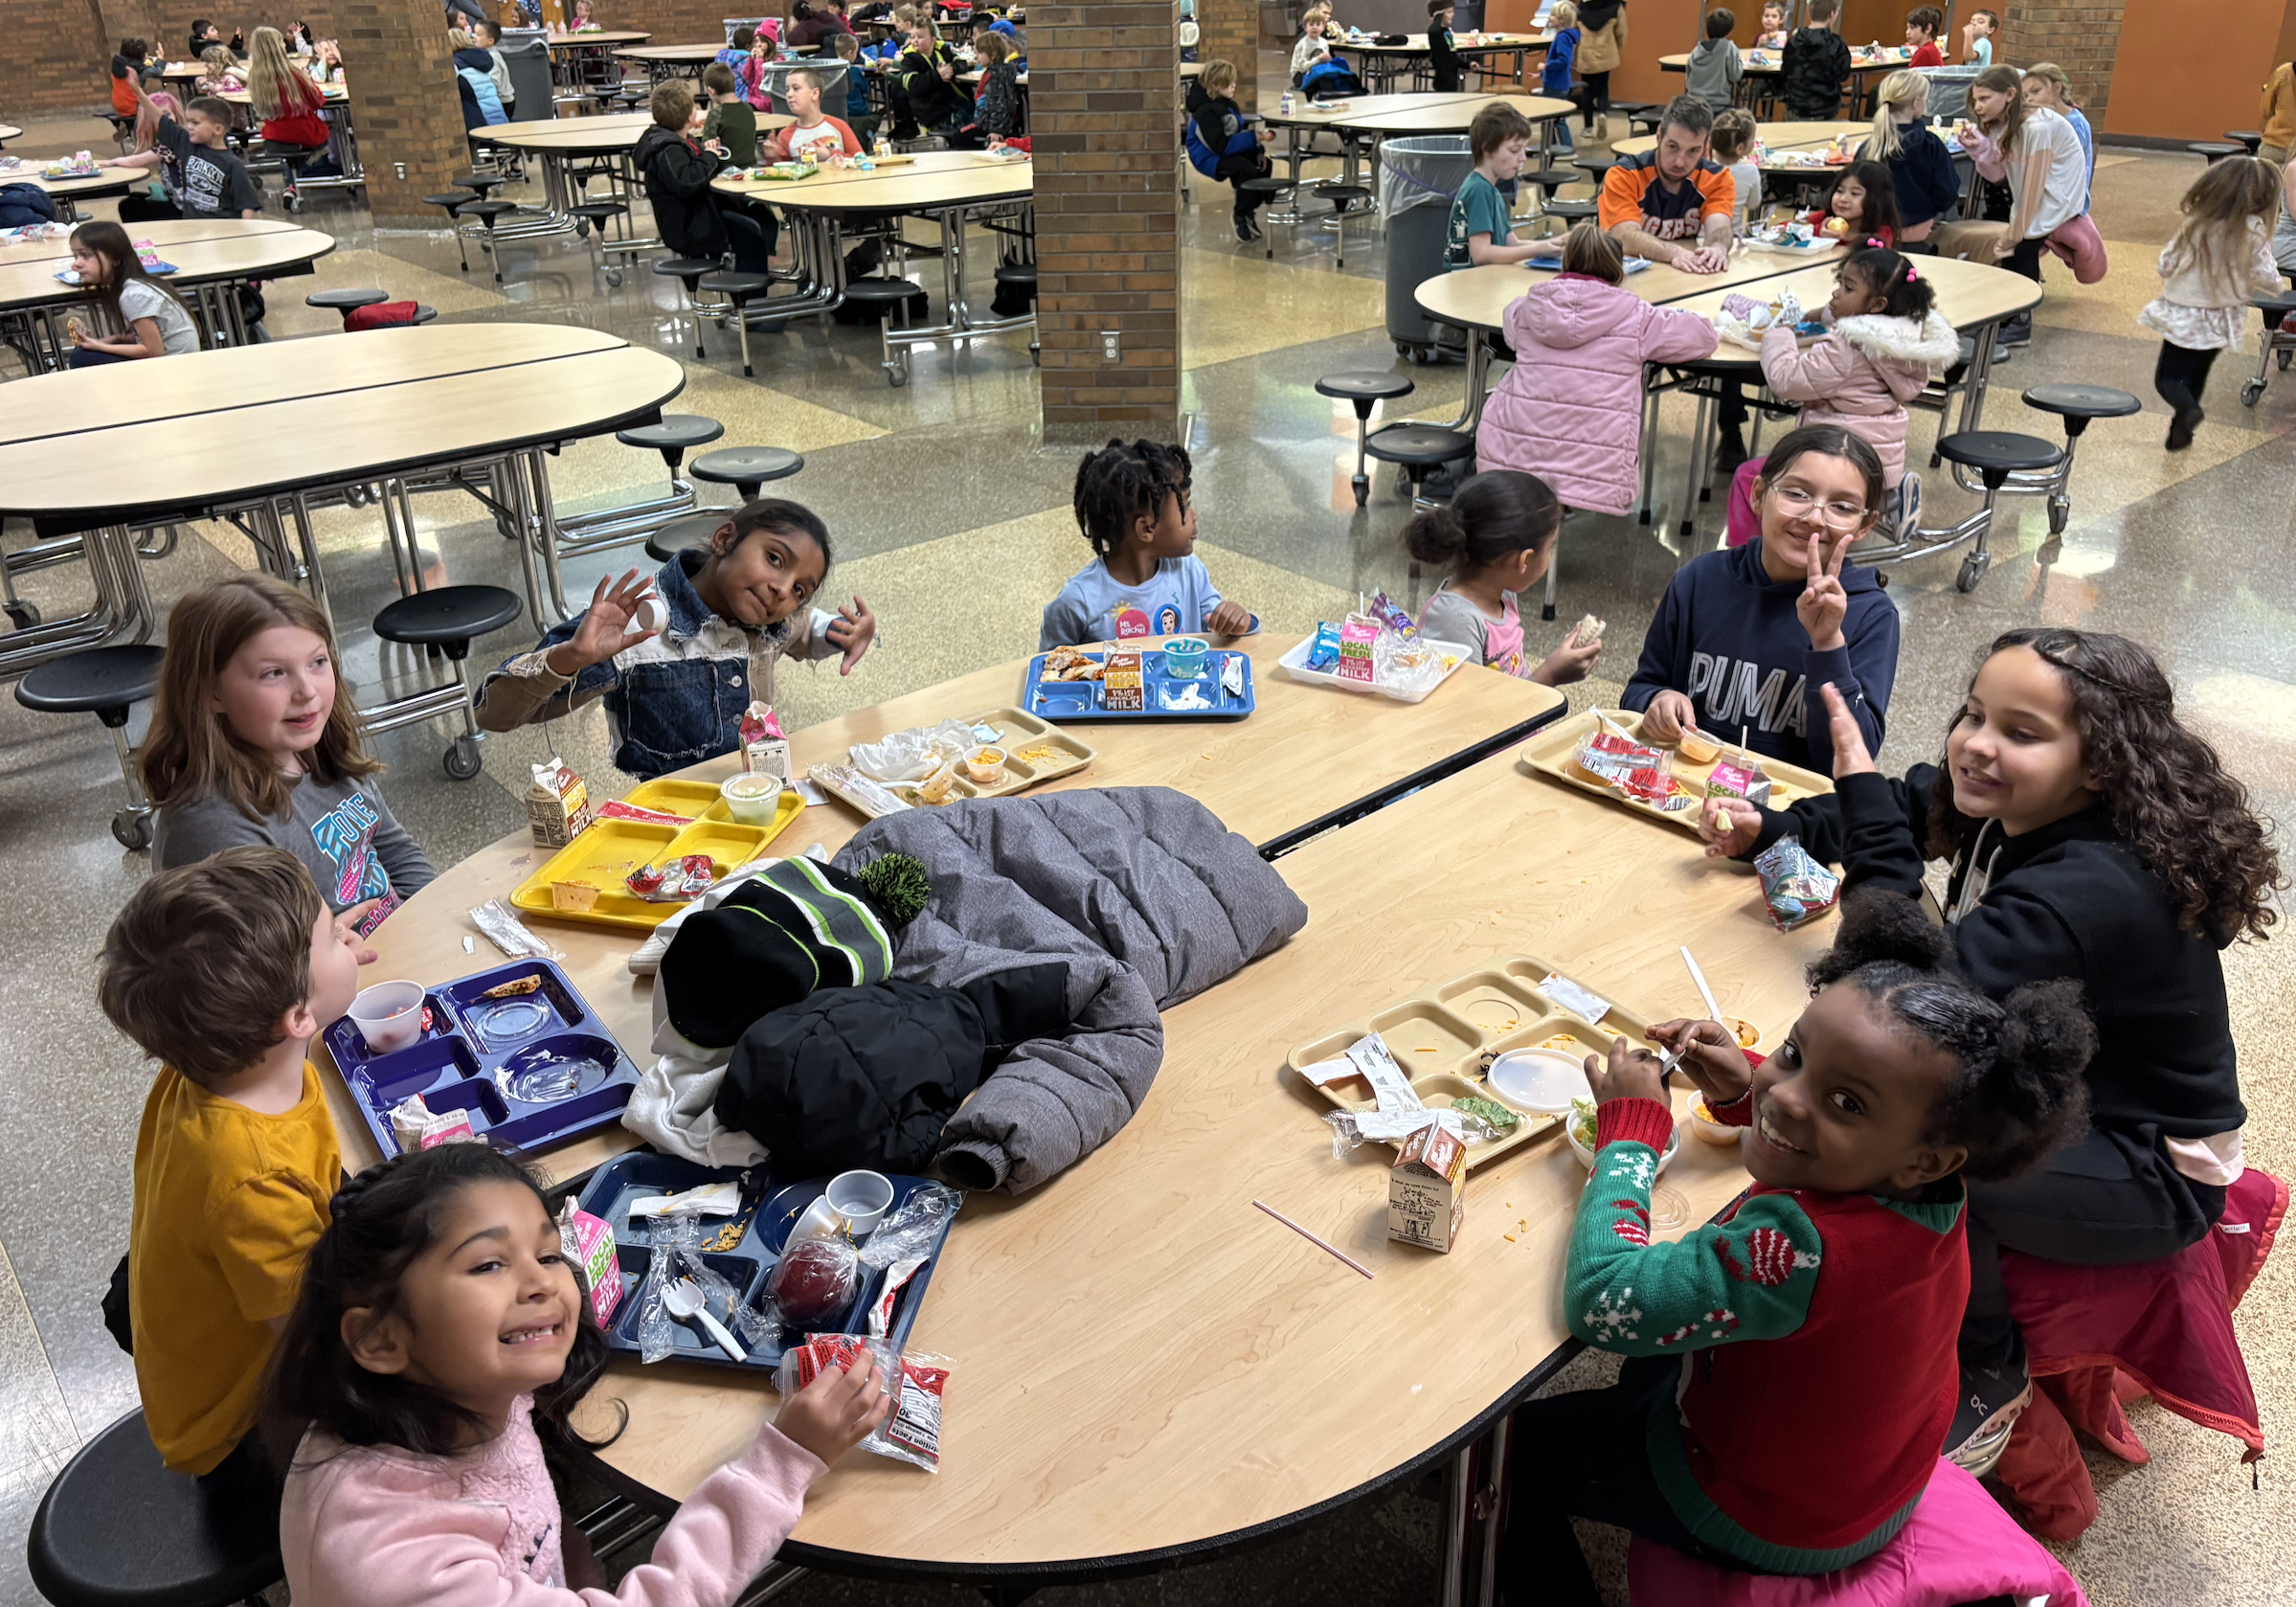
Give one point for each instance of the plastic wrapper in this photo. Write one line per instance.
(1406, 667)
(587, 1242)
(1637, 771)
(915, 753)
(911, 1432)
(1352, 1129)
(673, 881)
(1795, 888)
(842, 781)
(1324, 656)
(812, 1282)
(508, 932)
(418, 1127)
(1744, 321)
(913, 1226)
(677, 1253)
(1389, 617)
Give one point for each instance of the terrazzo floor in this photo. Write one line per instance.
(951, 519)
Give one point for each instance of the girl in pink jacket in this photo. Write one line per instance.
(1570, 409)
(439, 1339)
(1887, 339)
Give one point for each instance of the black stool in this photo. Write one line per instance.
(1995, 455)
(2076, 405)
(1271, 187)
(486, 184)
(486, 211)
(673, 437)
(738, 288)
(1417, 450)
(1364, 390)
(118, 1529)
(446, 618)
(746, 468)
(454, 201)
(2216, 151)
(2251, 138)
(1344, 199)
(890, 297)
(1023, 273)
(105, 682)
(1597, 167)
(688, 271)
(2280, 341)
(424, 312)
(595, 216)
(690, 534)
(345, 302)
(1573, 212)
(292, 159)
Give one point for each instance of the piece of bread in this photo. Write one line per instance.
(1587, 632)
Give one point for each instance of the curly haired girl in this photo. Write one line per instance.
(1132, 504)
(2092, 836)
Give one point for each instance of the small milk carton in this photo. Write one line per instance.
(1121, 688)
(588, 1242)
(557, 804)
(764, 746)
(1427, 1189)
(1356, 638)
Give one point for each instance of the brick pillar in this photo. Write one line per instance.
(1230, 30)
(2082, 38)
(402, 79)
(1104, 118)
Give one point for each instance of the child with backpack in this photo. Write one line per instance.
(1221, 147)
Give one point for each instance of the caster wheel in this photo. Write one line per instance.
(582, 229)
(1972, 570)
(1403, 349)
(2252, 393)
(1363, 489)
(614, 278)
(896, 375)
(462, 760)
(22, 614)
(133, 828)
(2061, 509)
(2284, 355)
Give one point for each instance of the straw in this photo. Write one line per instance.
(1713, 1009)
(1320, 1244)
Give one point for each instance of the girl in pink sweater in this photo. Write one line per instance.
(439, 1341)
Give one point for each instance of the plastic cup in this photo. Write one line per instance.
(860, 1198)
(1184, 657)
(388, 1015)
(753, 796)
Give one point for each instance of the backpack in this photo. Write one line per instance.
(1327, 79)
(24, 204)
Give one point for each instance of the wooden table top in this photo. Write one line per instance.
(9, 131)
(602, 37)
(1968, 293)
(613, 132)
(1443, 113)
(1769, 63)
(202, 250)
(1416, 44)
(1774, 136)
(205, 427)
(337, 94)
(104, 181)
(935, 179)
(1143, 1362)
(1479, 298)
(671, 52)
(1305, 750)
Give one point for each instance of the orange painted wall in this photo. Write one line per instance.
(1654, 27)
(2192, 70)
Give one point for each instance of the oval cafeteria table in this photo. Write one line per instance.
(101, 185)
(1774, 136)
(670, 61)
(1373, 118)
(1763, 68)
(204, 432)
(1148, 1370)
(560, 140)
(1383, 64)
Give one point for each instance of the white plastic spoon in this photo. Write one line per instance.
(685, 1299)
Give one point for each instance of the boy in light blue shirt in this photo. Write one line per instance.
(1132, 504)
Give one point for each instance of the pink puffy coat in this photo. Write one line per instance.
(1570, 410)
(1861, 375)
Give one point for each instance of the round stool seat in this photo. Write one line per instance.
(2251, 138)
(677, 431)
(747, 465)
(1364, 385)
(1999, 451)
(1269, 186)
(118, 1529)
(682, 535)
(1551, 179)
(2216, 151)
(2283, 302)
(343, 300)
(1016, 273)
(99, 678)
(598, 212)
(486, 211)
(1419, 444)
(483, 183)
(446, 615)
(452, 200)
(1598, 165)
(883, 290)
(2082, 401)
(725, 282)
(1562, 208)
(685, 267)
(1344, 193)
(424, 312)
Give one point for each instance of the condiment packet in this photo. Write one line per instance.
(587, 1242)
(1231, 675)
(1795, 888)
(710, 1199)
(1577, 999)
(616, 809)
(881, 1309)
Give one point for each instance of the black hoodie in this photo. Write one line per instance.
(2067, 900)
(1816, 67)
(677, 175)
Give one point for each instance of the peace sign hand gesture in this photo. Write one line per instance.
(1824, 605)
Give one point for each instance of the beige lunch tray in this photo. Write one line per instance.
(1549, 754)
(1019, 731)
(1442, 1040)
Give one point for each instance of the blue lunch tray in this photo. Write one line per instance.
(473, 1050)
(1081, 700)
(627, 1179)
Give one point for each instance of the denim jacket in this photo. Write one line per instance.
(674, 699)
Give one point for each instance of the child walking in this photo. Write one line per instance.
(2091, 835)
(1791, 1368)
(1132, 504)
(1497, 536)
(1570, 409)
(1444, 60)
(675, 696)
(1222, 146)
(1602, 46)
(1562, 56)
(2219, 260)
(1815, 66)
(1886, 340)
(113, 279)
(441, 1341)
(1715, 67)
(256, 739)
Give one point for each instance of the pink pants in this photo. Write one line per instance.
(1745, 523)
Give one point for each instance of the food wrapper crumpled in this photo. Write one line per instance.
(1638, 772)
(1795, 888)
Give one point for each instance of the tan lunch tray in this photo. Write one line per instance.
(1444, 1039)
(1019, 731)
(1549, 754)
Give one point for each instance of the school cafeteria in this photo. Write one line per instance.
(1392, 802)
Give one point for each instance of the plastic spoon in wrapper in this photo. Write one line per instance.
(684, 1302)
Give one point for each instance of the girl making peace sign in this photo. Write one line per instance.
(1745, 637)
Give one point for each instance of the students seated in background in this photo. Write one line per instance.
(746, 60)
(1715, 66)
(282, 98)
(471, 66)
(113, 277)
(489, 35)
(223, 972)
(1673, 204)
(814, 21)
(1732, 147)
(815, 132)
(1977, 38)
(1480, 230)
(997, 101)
(127, 72)
(677, 170)
(222, 75)
(204, 178)
(205, 34)
(927, 73)
(1817, 66)
(1773, 26)
(730, 127)
(1921, 24)
(1312, 44)
(1921, 169)
(859, 116)
(1221, 145)
(1145, 579)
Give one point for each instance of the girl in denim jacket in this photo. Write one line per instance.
(677, 659)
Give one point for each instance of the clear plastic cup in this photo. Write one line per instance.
(388, 1015)
(751, 797)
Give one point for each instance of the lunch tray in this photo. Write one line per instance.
(1081, 700)
(610, 850)
(627, 1179)
(470, 1045)
(1295, 663)
(1446, 1038)
(1549, 754)
(1014, 731)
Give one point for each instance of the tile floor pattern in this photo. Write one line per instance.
(951, 519)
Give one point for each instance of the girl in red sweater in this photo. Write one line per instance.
(1814, 1320)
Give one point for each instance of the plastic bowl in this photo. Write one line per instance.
(1542, 1080)
(388, 1015)
(1714, 1132)
(861, 1197)
(1673, 1144)
(1184, 657)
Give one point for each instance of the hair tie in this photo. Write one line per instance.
(1910, 275)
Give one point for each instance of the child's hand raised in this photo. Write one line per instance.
(1229, 618)
(852, 631)
(1824, 605)
(838, 1409)
(1710, 1055)
(1729, 826)
(605, 627)
(1630, 1073)
(1851, 756)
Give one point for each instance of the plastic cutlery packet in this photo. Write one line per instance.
(677, 1254)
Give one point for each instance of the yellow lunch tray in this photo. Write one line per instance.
(1549, 754)
(612, 848)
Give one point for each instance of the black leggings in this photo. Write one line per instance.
(1593, 96)
(1244, 165)
(2026, 259)
(2181, 374)
(2110, 1200)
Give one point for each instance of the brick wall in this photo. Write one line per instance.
(1104, 119)
(2082, 38)
(1230, 31)
(402, 79)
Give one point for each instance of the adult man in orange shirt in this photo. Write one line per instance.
(1674, 204)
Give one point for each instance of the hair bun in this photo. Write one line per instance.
(1438, 536)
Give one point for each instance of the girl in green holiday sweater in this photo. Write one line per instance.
(1814, 1320)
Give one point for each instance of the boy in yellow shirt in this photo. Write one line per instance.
(224, 971)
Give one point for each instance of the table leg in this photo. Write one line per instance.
(1459, 1486)
(1491, 1503)
(123, 607)
(1980, 375)
(532, 488)
(1698, 442)
(1479, 371)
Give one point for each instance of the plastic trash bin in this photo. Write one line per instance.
(1417, 179)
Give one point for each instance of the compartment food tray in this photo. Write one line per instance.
(1549, 754)
(773, 1209)
(1445, 1039)
(1015, 731)
(1081, 700)
(1295, 663)
(610, 850)
(472, 1052)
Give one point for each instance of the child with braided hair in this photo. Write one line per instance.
(1132, 504)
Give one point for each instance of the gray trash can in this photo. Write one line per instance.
(1417, 179)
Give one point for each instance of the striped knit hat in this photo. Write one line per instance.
(797, 926)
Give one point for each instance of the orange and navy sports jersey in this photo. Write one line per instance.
(1632, 192)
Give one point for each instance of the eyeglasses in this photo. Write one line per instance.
(1801, 505)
